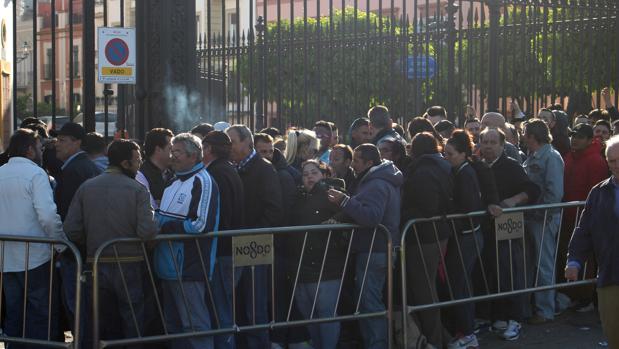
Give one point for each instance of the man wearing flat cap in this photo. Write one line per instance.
(216, 147)
(76, 169)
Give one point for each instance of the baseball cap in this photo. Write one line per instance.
(584, 130)
(72, 129)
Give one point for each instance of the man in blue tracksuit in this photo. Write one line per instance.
(190, 205)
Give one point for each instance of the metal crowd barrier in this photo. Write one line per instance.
(32, 247)
(510, 256)
(252, 250)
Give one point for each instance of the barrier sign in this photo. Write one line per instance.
(252, 250)
(509, 226)
(116, 47)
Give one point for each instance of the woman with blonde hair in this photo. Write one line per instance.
(301, 145)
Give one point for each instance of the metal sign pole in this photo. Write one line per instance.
(106, 94)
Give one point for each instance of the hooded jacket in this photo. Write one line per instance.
(428, 192)
(375, 202)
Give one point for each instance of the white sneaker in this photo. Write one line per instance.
(587, 308)
(466, 342)
(481, 325)
(499, 325)
(513, 331)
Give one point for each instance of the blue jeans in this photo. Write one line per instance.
(373, 331)
(257, 310)
(37, 297)
(326, 335)
(68, 270)
(544, 252)
(222, 286)
(183, 318)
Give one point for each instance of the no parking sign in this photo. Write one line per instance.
(116, 55)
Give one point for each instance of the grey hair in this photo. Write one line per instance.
(612, 142)
(244, 133)
(191, 143)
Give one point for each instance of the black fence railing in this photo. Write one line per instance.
(285, 63)
(292, 67)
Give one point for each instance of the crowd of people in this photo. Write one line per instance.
(72, 187)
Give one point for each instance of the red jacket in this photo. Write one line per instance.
(583, 170)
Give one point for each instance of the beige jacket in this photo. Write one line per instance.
(110, 206)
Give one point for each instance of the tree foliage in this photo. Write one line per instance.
(334, 68)
(337, 66)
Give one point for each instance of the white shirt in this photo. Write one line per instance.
(27, 208)
(141, 178)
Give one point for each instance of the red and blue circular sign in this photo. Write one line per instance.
(116, 51)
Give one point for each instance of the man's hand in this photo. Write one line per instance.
(495, 210)
(571, 273)
(606, 96)
(508, 203)
(335, 196)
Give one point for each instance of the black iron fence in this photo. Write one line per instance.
(295, 63)
(289, 62)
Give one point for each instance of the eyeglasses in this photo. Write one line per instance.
(176, 153)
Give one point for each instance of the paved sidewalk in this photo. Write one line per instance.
(571, 330)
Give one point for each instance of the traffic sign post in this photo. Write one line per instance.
(117, 55)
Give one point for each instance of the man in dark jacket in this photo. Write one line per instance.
(381, 125)
(340, 160)
(286, 175)
(216, 148)
(264, 146)
(514, 188)
(77, 168)
(373, 203)
(263, 208)
(427, 192)
(154, 172)
(597, 233)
